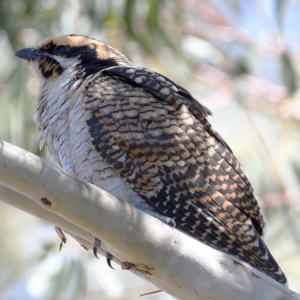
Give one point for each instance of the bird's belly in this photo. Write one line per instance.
(79, 157)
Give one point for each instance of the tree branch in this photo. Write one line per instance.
(179, 265)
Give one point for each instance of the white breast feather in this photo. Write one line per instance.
(68, 141)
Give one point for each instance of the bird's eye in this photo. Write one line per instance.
(60, 49)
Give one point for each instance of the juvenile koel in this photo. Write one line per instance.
(145, 139)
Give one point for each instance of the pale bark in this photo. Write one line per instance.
(179, 265)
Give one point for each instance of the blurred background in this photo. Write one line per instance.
(240, 58)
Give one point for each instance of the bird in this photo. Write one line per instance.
(146, 140)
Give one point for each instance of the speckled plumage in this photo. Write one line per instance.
(145, 139)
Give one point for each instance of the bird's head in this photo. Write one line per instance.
(55, 55)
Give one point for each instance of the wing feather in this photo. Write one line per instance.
(157, 138)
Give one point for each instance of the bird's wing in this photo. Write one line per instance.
(155, 135)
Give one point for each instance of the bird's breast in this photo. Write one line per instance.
(64, 131)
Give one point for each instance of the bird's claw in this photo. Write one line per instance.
(97, 244)
(109, 258)
(171, 222)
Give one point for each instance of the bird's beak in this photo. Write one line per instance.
(30, 54)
